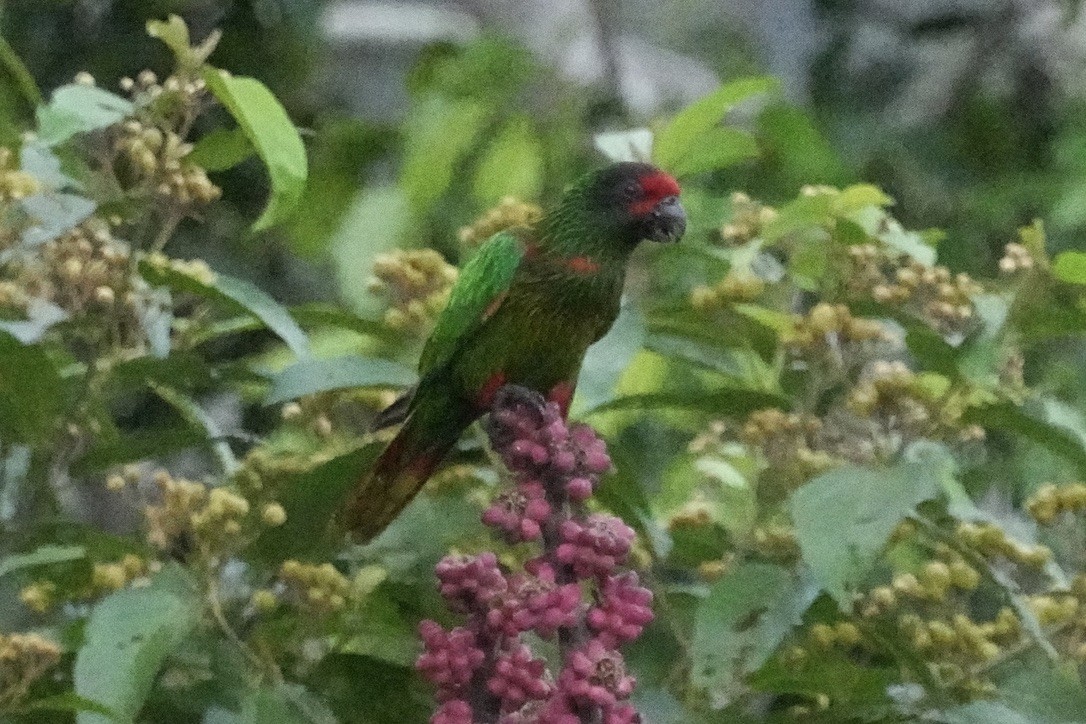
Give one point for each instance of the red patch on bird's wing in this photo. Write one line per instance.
(562, 395)
(582, 265)
(485, 397)
(655, 186)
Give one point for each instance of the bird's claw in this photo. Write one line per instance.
(518, 396)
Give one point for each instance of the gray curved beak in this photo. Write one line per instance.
(668, 221)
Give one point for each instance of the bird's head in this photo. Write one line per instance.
(640, 200)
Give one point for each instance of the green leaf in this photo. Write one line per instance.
(70, 701)
(841, 542)
(736, 402)
(809, 262)
(78, 109)
(128, 636)
(32, 392)
(1070, 266)
(383, 633)
(796, 150)
(738, 627)
(440, 133)
(608, 358)
(243, 294)
(677, 140)
(390, 694)
(889, 231)
(221, 149)
(271, 705)
(805, 212)
(834, 673)
(173, 32)
(193, 414)
(717, 148)
(20, 75)
(53, 214)
(860, 196)
(316, 314)
(269, 128)
(512, 164)
(985, 712)
(632, 145)
(311, 500)
(1034, 423)
(43, 556)
(379, 219)
(735, 503)
(421, 534)
(311, 376)
(41, 315)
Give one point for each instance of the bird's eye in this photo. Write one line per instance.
(630, 192)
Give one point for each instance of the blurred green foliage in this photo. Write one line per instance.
(853, 469)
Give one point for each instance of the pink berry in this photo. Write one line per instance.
(594, 547)
(449, 659)
(595, 675)
(624, 609)
(518, 678)
(454, 711)
(469, 582)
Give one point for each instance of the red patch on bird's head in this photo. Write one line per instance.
(655, 187)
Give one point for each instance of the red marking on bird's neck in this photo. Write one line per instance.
(562, 395)
(485, 398)
(656, 187)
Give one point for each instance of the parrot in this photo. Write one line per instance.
(524, 311)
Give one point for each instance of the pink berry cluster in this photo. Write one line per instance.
(573, 590)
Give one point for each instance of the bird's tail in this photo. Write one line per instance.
(402, 469)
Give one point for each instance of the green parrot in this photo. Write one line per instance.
(524, 311)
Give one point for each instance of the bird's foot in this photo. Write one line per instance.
(518, 397)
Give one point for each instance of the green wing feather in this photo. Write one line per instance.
(477, 295)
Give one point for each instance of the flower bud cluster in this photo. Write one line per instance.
(15, 184)
(317, 589)
(775, 541)
(1050, 501)
(691, 515)
(827, 325)
(147, 87)
(86, 272)
(842, 634)
(24, 658)
(214, 519)
(75, 584)
(196, 269)
(790, 443)
(932, 293)
(109, 577)
(912, 405)
(731, 289)
(149, 148)
(991, 541)
(156, 158)
(510, 213)
(749, 217)
(1016, 258)
(416, 283)
(485, 670)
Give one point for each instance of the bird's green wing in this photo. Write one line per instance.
(480, 290)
